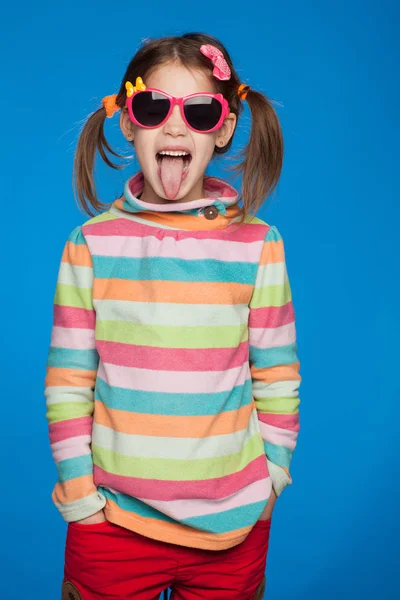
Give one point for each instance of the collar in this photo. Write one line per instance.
(195, 214)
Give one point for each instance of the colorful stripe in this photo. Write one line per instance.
(167, 491)
(258, 491)
(200, 426)
(173, 403)
(190, 248)
(183, 359)
(155, 447)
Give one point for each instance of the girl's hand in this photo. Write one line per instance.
(98, 517)
(267, 512)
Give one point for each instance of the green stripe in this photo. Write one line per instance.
(64, 411)
(70, 295)
(178, 469)
(271, 295)
(277, 406)
(105, 216)
(254, 220)
(169, 336)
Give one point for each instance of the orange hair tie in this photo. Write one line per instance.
(110, 104)
(243, 90)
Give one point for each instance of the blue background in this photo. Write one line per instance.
(333, 66)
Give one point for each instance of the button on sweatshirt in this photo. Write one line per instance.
(172, 375)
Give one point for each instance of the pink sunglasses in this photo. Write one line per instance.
(202, 112)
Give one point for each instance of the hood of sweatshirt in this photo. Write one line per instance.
(215, 211)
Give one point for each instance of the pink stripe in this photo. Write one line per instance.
(273, 316)
(79, 339)
(212, 489)
(148, 357)
(67, 316)
(71, 448)
(189, 249)
(218, 188)
(184, 509)
(176, 382)
(69, 429)
(290, 422)
(272, 338)
(125, 227)
(279, 437)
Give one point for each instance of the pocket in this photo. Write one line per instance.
(87, 549)
(88, 558)
(90, 526)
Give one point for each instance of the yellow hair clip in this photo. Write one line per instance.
(131, 89)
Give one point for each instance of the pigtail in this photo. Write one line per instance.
(261, 160)
(92, 138)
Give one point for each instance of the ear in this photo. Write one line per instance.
(225, 133)
(126, 125)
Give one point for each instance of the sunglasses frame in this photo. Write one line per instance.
(180, 102)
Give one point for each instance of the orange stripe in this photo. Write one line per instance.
(272, 252)
(70, 377)
(171, 426)
(74, 489)
(77, 255)
(172, 291)
(188, 222)
(278, 373)
(173, 533)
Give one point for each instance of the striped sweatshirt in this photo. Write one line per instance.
(172, 375)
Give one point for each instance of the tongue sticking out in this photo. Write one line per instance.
(171, 175)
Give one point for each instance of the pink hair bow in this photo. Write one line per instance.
(221, 68)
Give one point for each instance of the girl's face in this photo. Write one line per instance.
(168, 179)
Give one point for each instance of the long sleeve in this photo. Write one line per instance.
(70, 380)
(273, 360)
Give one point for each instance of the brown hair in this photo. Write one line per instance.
(260, 162)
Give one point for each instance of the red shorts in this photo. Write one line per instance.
(108, 561)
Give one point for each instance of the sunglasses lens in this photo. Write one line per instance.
(202, 112)
(150, 108)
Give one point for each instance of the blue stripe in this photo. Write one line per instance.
(75, 467)
(131, 504)
(163, 403)
(221, 522)
(76, 236)
(65, 358)
(228, 520)
(174, 269)
(280, 455)
(273, 234)
(262, 358)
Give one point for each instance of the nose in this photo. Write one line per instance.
(175, 125)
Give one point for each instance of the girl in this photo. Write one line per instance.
(172, 377)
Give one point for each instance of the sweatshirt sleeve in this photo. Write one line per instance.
(273, 360)
(70, 380)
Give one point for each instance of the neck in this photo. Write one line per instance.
(149, 195)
